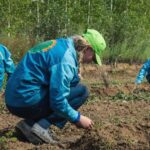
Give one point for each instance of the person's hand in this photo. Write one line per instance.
(85, 123)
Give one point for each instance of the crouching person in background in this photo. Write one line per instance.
(144, 72)
(45, 88)
(6, 66)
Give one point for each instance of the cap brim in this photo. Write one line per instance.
(98, 60)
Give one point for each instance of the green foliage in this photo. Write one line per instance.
(3, 143)
(140, 95)
(124, 24)
(5, 137)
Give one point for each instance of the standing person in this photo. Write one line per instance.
(144, 72)
(6, 65)
(45, 88)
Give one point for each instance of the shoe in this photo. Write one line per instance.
(45, 134)
(25, 129)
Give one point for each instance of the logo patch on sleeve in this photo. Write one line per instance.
(43, 47)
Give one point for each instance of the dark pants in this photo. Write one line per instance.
(41, 110)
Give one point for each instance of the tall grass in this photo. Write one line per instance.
(18, 45)
(135, 51)
(129, 51)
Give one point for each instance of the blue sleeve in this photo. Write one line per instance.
(1, 71)
(61, 76)
(8, 63)
(142, 73)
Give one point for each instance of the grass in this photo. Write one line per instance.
(18, 46)
(121, 96)
(7, 136)
(2, 107)
(147, 116)
(116, 120)
(3, 143)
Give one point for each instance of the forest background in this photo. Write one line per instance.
(123, 23)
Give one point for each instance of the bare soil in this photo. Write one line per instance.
(120, 112)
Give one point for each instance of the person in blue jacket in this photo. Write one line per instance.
(45, 88)
(144, 72)
(6, 64)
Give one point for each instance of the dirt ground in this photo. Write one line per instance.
(121, 115)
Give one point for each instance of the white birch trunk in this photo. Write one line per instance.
(89, 9)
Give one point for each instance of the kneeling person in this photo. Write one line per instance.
(45, 88)
(144, 72)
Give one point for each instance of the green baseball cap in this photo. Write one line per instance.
(97, 42)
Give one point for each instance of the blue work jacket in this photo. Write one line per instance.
(144, 71)
(6, 64)
(50, 68)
